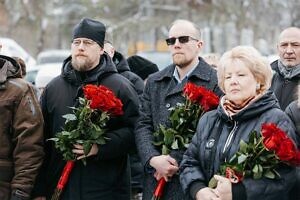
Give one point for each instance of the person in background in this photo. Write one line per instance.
(163, 91)
(287, 68)
(123, 69)
(245, 77)
(212, 59)
(21, 133)
(22, 64)
(122, 66)
(141, 66)
(106, 175)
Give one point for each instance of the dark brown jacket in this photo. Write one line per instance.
(21, 133)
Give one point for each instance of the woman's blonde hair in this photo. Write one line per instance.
(253, 60)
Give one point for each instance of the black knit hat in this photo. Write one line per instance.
(91, 29)
(141, 66)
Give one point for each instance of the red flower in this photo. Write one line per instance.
(272, 136)
(102, 98)
(261, 155)
(89, 120)
(200, 95)
(287, 150)
(183, 122)
(209, 101)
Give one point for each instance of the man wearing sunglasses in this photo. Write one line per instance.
(163, 91)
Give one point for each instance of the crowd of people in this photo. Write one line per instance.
(129, 165)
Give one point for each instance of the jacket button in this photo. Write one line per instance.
(168, 105)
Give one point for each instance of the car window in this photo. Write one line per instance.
(51, 59)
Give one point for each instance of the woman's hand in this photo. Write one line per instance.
(224, 188)
(206, 194)
(78, 150)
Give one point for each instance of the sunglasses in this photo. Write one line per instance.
(181, 39)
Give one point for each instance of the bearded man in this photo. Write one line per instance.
(163, 90)
(106, 174)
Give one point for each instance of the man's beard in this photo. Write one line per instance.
(81, 64)
(181, 61)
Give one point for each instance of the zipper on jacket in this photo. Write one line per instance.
(229, 138)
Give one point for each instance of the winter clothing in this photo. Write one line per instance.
(199, 165)
(141, 66)
(21, 133)
(91, 29)
(135, 164)
(160, 94)
(284, 86)
(293, 111)
(124, 70)
(106, 176)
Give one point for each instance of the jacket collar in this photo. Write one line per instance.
(75, 77)
(256, 108)
(120, 62)
(202, 71)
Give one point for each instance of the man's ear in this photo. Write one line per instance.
(200, 44)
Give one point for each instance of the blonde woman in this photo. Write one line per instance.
(245, 78)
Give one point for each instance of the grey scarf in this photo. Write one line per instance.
(289, 72)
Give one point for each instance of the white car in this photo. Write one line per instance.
(12, 49)
(161, 59)
(49, 64)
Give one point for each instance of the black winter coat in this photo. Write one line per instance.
(106, 176)
(284, 89)
(160, 94)
(123, 68)
(199, 165)
(293, 111)
(138, 83)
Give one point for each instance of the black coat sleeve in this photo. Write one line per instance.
(120, 130)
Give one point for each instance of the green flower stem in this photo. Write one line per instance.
(261, 151)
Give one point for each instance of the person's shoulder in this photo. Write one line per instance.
(167, 72)
(19, 84)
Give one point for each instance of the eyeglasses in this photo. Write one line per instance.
(181, 39)
(86, 43)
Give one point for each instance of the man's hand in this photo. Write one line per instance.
(165, 166)
(78, 150)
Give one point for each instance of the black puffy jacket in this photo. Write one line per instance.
(106, 175)
(199, 165)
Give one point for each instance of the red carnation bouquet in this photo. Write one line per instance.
(86, 125)
(260, 156)
(183, 122)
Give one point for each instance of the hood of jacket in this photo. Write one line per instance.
(105, 67)
(120, 62)
(264, 103)
(9, 68)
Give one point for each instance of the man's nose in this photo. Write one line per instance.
(289, 49)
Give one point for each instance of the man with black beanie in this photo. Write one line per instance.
(106, 175)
